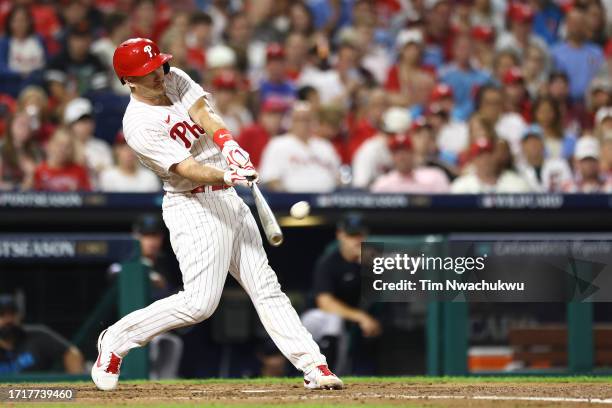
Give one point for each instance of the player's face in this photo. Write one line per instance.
(150, 84)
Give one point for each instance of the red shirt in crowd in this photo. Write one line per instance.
(362, 131)
(254, 139)
(68, 178)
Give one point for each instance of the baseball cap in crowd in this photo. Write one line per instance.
(430, 4)
(225, 80)
(441, 91)
(483, 33)
(513, 76)
(482, 145)
(603, 114)
(400, 142)
(405, 37)
(600, 84)
(532, 130)
(352, 224)
(77, 109)
(587, 147)
(274, 104)
(274, 51)
(8, 304)
(396, 120)
(148, 224)
(220, 56)
(520, 12)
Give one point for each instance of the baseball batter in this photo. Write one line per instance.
(175, 132)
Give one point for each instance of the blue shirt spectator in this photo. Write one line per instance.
(547, 21)
(464, 81)
(577, 58)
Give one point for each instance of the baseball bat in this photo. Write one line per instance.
(268, 220)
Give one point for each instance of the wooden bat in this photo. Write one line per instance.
(268, 220)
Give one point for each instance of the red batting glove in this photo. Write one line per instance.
(235, 155)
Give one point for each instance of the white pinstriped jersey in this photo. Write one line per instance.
(165, 135)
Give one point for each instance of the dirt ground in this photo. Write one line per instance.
(477, 394)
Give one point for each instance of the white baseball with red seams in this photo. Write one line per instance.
(212, 233)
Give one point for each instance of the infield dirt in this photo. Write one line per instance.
(363, 394)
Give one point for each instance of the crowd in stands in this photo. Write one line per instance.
(394, 96)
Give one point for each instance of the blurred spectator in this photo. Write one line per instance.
(177, 28)
(407, 81)
(603, 123)
(300, 161)
(337, 292)
(406, 176)
(596, 22)
(374, 56)
(452, 134)
(177, 47)
(516, 97)
(486, 176)
(255, 137)
(599, 96)
(541, 173)
(535, 69)
(60, 172)
(484, 50)
(147, 21)
(461, 75)
(547, 115)
(117, 28)
(438, 32)
(199, 38)
(296, 47)
(330, 121)
(19, 154)
(369, 119)
(373, 158)
(588, 177)
(571, 113)
(300, 18)
(547, 20)
(21, 50)
(227, 104)
(91, 151)
(503, 61)
(34, 102)
(520, 35)
(276, 84)
(576, 57)
(127, 175)
(311, 95)
(425, 149)
(33, 348)
(76, 71)
(219, 58)
(606, 68)
(488, 13)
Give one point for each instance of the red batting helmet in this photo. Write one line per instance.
(138, 57)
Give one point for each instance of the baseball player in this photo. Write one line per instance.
(176, 133)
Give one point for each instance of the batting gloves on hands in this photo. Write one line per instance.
(235, 155)
(238, 176)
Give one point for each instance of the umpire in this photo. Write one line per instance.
(337, 310)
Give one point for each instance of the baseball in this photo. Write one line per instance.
(300, 210)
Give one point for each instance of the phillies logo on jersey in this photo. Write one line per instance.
(179, 131)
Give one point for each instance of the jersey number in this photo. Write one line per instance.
(179, 131)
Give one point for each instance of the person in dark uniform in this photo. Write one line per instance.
(337, 304)
(33, 348)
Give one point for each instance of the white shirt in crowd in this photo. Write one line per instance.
(554, 174)
(508, 182)
(311, 166)
(511, 127)
(453, 137)
(143, 181)
(98, 154)
(371, 160)
(26, 55)
(162, 136)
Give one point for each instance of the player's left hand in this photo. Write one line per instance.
(238, 176)
(236, 156)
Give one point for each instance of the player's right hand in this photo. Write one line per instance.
(238, 176)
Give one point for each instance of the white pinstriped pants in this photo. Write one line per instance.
(212, 233)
